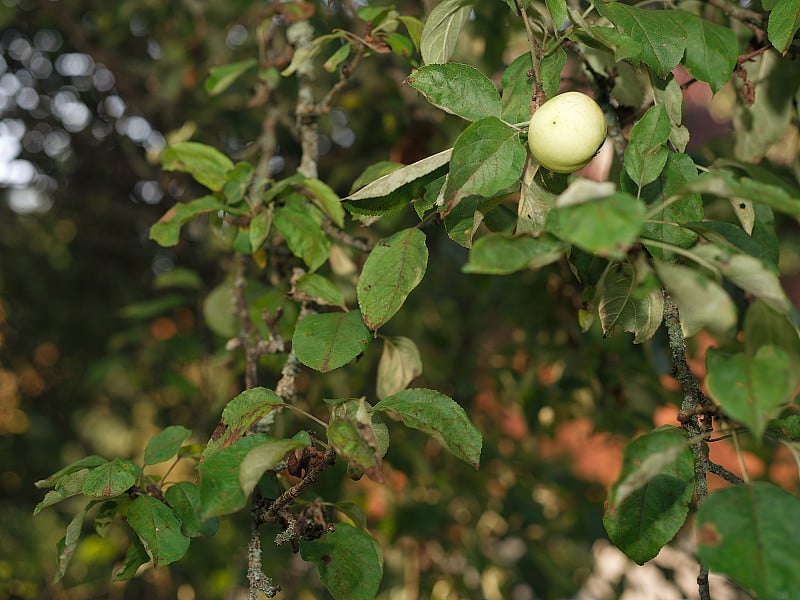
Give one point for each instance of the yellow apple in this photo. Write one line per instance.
(566, 132)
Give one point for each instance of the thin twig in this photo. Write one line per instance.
(247, 333)
(347, 71)
(537, 96)
(737, 12)
(344, 237)
(721, 471)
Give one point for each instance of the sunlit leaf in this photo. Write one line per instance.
(400, 363)
(440, 417)
(394, 267)
(301, 225)
(651, 514)
(166, 232)
(205, 163)
(159, 529)
(265, 456)
(111, 478)
(784, 21)
(239, 415)
(741, 532)
(323, 291)
(502, 253)
(331, 340)
(221, 78)
(442, 29)
(348, 562)
(166, 444)
(457, 88)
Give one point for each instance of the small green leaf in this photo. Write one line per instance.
(734, 237)
(414, 27)
(764, 326)
(392, 270)
(111, 479)
(741, 532)
(458, 89)
(260, 227)
(159, 529)
(348, 562)
(166, 232)
(166, 444)
(784, 21)
(558, 12)
(651, 514)
(355, 436)
(184, 498)
(488, 157)
(206, 164)
(237, 182)
(331, 340)
(319, 289)
(703, 303)
(221, 78)
(517, 90)
(66, 546)
(550, 70)
(646, 155)
(67, 486)
(662, 37)
(751, 389)
(608, 226)
(337, 58)
(220, 488)
(394, 191)
(87, 462)
(711, 50)
(264, 457)
(325, 198)
(399, 365)
(502, 253)
(750, 274)
(621, 304)
(106, 515)
(439, 416)
(442, 30)
(301, 225)
(239, 415)
(135, 557)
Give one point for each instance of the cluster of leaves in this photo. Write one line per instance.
(666, 232)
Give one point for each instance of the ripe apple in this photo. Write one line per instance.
(566, 132)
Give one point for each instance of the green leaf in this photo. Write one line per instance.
(206, 164)
(111, 478)
(220, 488)
(621, 303)
(184, 498)
(152, 308)
(159, 529)
(66, 546)
(673, 214)
(399, 365)
(764, 326)
(711, 50)
(221, 78)
(488, 157)
(414, 27)
(105, 516)
(651, 514)
(325, 198)
(348, 562)
(726, 185)
(337, 58)
(741, 531)
(623, 46)
(239, 415)
(608, 226)
(517, 90)
(502, 253)
(301, 225)
(750, 389)
(646, 155)
(458, 89)
(178, 278)
(392, 270)
(260, 226)
(734, 237)
(322, 291)
(442, 29)
(67, 486)
(558, 12)
(439, 416)
(784, 21)
(394, 191)
(702, 302)
(166, 232)
(331, 340)
(354, 435)
(135, 557)
(748, 273)
(463, 221)
(374, 172)
(265, 456)
(166, 444)
(237, 182)
(87, 462)
(661, 36)
(550, 70)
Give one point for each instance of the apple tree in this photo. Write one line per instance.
(665, 239)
